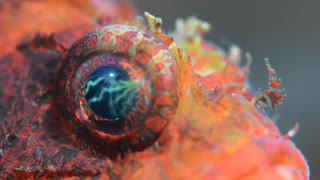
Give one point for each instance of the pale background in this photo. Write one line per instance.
(287, 32)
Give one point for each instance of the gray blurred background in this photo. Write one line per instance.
(285, 31)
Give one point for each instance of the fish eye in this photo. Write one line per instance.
(110, 92)
(117, 89)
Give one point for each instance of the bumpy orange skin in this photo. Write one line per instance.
(215, 133)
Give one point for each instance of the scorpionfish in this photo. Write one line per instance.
(89, 89)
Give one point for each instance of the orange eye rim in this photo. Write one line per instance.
(157, 84)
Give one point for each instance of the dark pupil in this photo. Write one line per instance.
(110, 93)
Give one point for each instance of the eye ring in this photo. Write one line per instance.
(151, 68)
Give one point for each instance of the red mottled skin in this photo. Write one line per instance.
(214, 133)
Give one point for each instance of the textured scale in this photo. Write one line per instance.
(187, 110)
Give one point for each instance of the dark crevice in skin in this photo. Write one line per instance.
(4, 62)
(28, 48)
(68, 154)
(35, 126)
(96, 177)
(112, 174)
(111, 127)
(12, 140)
(13, 3)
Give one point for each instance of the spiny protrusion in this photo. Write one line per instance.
(272, 96)
(211, 94)
(274, 91)
(154, 23)
(292, 132)
(235, 54)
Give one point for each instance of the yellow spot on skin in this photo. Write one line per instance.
(205, 60)
(132, 51)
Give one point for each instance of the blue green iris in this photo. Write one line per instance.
(110, 93)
